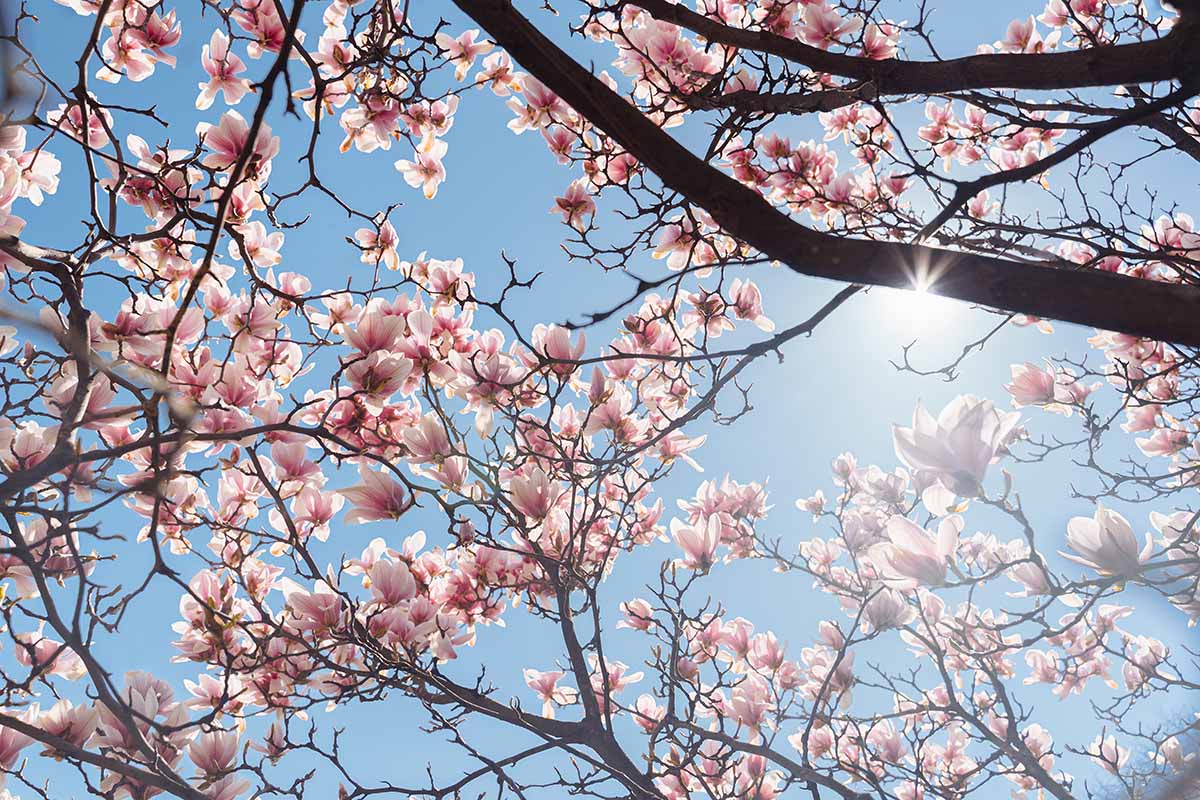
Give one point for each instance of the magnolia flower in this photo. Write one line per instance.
(915, 558)
(887, 742)
(391, 582)
(614, 678)
(11, 745)
(426, 172)
(214, 753)
(378, 376)
(535, 494)
(230, 137)
(745, 300)
(1032, 386)
(824, 26)
(1107, 753)
(699, 542)
(1022, 37)
(377, 497)
(959, 445)
(575, 206)
(462, 51)
(379, 245)
(497, 74)
(648, 713)
(75, 724)
(428, 439)
(1171, 753)
(639, 615)
(318, 611)
(1106, 543)
(1032, 577)
(880, 40)
(886, 609)
(223, 68)
(547, 688)
(554, 342)
(48, 655)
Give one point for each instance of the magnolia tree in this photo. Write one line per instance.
(170, 360)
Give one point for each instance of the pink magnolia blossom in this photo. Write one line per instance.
(639, 615)
(1022, 37)
(69, 118)
(698, 542)
(377, 377)
(554, 342)
(11, 744)
(1032, 385)
(498, 75)
(1165, 441)
(125, 56)
(1105, 751)
(647, 713)
(318, 611)
(887, 609)
(614, 678)
(880, 40)
(541, 107)
(461, 51)
(1171, 753)
(47, 655)
(261, 20)
(379, 245)
(392, 582)
(230, 137)
(746, 301)
(576, 205)
(214, 753)
(223, 68)
(823, 25)
(534, 494)
(548, 690)
(913, 557)
(426, 172)
(428, 440)
(378, 497)
(73, 723)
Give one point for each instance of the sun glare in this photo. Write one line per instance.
(917, 311)
(920, 310)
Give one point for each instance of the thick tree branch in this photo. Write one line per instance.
(1170, 57)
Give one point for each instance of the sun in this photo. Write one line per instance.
(919, 310)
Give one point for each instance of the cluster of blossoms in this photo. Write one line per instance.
(28, 173)
(221, 334)
(150, 708)
(885, 569)
(137, 36)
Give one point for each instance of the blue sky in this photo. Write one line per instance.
(835, 391)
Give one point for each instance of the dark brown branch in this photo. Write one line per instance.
(1168, 58)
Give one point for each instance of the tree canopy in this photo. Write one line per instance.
(225, 348)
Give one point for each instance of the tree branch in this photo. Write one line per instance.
(1142, 62)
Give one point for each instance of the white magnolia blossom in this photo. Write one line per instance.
(1105, 542)
(959, 445)
(914, 557)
